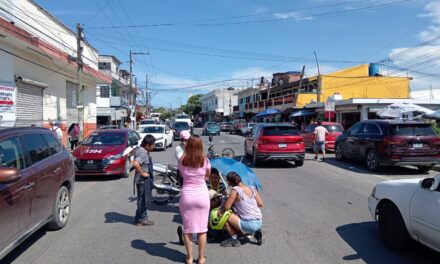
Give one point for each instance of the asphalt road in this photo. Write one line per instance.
(317, 213)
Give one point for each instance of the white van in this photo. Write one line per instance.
(183, 118)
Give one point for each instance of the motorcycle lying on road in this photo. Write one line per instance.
(167, 185)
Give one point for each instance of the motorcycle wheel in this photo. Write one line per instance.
(161, 197)
(228, 153)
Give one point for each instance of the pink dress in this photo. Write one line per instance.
(194, 198)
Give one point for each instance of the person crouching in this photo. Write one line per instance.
(247, 218)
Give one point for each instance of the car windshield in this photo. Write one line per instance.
(152, 130)
(212, 125)
(182, 116)
(148, 122)
(334, 128)
(280, 131)
(104, 139)
(181, 125)
(412, 130)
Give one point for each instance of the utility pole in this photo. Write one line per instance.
(79, 70)
(133, 99)
(318, 89)
(299, 87)
(431, 95)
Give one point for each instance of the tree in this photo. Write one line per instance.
(193, 105)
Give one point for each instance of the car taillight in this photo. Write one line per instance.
(390, 143)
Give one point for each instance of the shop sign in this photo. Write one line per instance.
(329, 106)
(8, 95)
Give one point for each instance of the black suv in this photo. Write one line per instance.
(390, 143)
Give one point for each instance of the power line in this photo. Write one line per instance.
(264, 21)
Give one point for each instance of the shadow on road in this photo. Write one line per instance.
(365, 240)
(360, 167)
(20, 249)
(115, 217)
(159, 250)
(270, 164)
(97, 178)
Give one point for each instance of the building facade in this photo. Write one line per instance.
(218, 104)
(113, 99)
(39, 75)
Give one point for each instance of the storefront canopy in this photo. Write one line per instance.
(268, 112)
(397, 110)
(303, 112)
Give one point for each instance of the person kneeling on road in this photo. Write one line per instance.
(248, 218)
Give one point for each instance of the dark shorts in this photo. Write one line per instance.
(319, 145)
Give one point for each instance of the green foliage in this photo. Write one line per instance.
(436, 128)
(193, 106)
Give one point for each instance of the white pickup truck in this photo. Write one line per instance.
(183, 118)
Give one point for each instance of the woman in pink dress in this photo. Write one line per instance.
(194, 197)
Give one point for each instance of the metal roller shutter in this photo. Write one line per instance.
(29, 105)
(71, 103)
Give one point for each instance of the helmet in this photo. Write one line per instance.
(184, 134)
(215, 221)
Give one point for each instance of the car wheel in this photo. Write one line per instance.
(371, 161)
(339, 152)
(61, 210)
(126, 169)
(171, 144)
(255, 159)
(425, 168)
(392, 227)
(299, 163)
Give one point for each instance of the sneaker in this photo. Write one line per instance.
(145, 223)
(259, 237)
(180, 235)
(230, 243)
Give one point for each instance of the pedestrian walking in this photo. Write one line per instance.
(57, 130)
(143, 180)
(73, 133)
(319, 140)
(194, 198)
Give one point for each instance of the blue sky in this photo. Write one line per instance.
(194, 43)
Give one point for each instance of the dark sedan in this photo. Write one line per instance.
(211, 128)
(179, 127)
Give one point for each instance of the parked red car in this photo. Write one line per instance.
(334, 129)
(275, 142)
(106, 152)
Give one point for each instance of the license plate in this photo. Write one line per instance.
(418, 145)
(282, 145)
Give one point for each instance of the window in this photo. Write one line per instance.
(54, 145)
(280, 131)
(116, 91)
(412, 130)
(334, 128)
(357, 128)
(37, 148)
(11, 153)
(104, 66)
(105, 139)
(104, 91)
(372, 129)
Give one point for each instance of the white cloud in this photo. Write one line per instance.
(292, 16)
(260, 10)
(425, 58)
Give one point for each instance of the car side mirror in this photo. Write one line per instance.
(8, 175)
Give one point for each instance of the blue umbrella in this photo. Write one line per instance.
(268, 112)
(226, 165)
